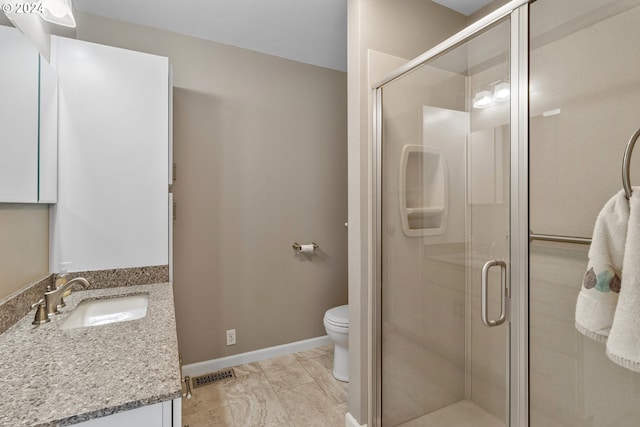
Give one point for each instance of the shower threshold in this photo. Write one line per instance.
(464, 413)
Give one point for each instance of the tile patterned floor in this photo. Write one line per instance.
(296, 390)
(460, 414)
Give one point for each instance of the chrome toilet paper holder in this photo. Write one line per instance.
(298, 247)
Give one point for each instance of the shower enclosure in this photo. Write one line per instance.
(507, 134)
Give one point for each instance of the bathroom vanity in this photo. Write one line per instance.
(123, 374)
(106, 174)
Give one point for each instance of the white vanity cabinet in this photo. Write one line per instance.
(28, 122)
(165, 414)
(112, 209)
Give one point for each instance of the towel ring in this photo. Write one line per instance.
(626, 164)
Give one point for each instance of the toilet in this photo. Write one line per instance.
(336, 322)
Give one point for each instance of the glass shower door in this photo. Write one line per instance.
(444, 238)
(585, 92)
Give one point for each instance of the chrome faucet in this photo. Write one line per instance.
(52, 298)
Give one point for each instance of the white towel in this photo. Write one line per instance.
(601, 284)
(623, 346)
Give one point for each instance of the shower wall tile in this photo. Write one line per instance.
(591, 76)
(556, 359)
(572, 383)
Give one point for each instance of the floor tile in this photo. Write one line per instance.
(217, 417)
(205, 398)
(460, 414)
(309, 406)
(316, 352)
(248, 369)
(281, 379)
(281, 362)
(320, 370)
(254, 403)
(296, 390)
(285, 372)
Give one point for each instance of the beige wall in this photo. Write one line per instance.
(24, 245)
(260, 144)
(406, 29)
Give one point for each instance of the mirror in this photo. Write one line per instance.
(28, 122)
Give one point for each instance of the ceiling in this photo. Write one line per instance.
(309, 31)
(466, 7)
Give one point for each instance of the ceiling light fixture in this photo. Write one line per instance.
(501, 91)
(58, 12)
(483, 99)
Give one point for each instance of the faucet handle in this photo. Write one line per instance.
(41, 312)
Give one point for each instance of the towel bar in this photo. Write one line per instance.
(626, 163)
(561, 239)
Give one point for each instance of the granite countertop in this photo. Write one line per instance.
(51, 377)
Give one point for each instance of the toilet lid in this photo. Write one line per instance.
(338, 315)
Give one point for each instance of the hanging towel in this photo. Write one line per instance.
(598, 295)
(623, 346)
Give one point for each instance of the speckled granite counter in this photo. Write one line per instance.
(50, 376)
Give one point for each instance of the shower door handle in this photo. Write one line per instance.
(485, 290)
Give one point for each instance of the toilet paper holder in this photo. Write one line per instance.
(298, 247)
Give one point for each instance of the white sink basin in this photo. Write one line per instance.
(107, 310)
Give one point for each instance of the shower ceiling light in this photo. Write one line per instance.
(501, 91)
(483, 99)
(58, 12)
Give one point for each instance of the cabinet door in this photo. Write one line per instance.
(113, 155)
(48, 133)
(145, 416)
(164, 414)
(28, 122)
(177, 413)
(18, 118)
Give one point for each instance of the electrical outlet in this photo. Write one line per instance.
(231, 337)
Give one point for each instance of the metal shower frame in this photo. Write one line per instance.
(518, 269)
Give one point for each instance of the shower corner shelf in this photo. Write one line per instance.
(423, 191)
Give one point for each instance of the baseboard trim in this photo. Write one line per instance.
(213, 365)
(349, 421)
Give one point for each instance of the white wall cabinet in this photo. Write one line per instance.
(164, 414)
(113, 155)
(28, 122)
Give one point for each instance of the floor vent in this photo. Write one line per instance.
(212, 377)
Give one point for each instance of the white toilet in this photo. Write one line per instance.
(336, 322)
